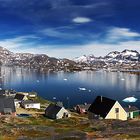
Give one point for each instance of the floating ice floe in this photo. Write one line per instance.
(54, 98)
(81, 88)
(65, 79)
(37, 81)
(130, 99)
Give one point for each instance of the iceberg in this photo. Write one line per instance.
(122, 79)
(130, 99)
(81, 88)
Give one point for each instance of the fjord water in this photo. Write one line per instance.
(64, 87)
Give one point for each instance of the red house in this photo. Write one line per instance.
(82, 109)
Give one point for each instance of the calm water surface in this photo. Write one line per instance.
(110, 84)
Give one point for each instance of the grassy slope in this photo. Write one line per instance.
(76, 126)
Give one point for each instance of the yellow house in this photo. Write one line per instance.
(106, 108)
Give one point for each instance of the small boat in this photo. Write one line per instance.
(65, 79)
(130, 99)
(122, 79)
(37, 81)
(89, 90)
(82, 88)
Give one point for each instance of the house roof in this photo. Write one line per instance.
(32, 93)
(7, 103)
(101, 106)
(2, 92)
(131, 109)
(86, 106)
(19, 96)
(30, 102)
(52, 110)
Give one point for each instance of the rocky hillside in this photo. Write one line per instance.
(37, 61)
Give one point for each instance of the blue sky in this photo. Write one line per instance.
(70, 28)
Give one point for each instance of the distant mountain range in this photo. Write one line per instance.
(127, 59)
(37, 61)
(125, 56)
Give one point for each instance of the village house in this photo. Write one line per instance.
(7, 92)
(7, 106)
(55, 111)
(132, 112)
(20, 97)
(30, 104)
(82, 109)
(105, 108)
(32, 94)
(17, 103)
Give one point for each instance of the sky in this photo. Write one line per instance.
(70, 28)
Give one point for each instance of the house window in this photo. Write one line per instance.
(116, 110)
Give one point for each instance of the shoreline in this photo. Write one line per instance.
(131, 71)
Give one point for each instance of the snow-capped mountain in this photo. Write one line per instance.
(124, 56)
(115, 56)
(85, 59)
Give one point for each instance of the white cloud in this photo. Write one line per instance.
(17, 42)
(121, 33)
(57, 32)
(81, 20)
(27, 44)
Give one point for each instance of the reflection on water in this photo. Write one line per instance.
(115, 85)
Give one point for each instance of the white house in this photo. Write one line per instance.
(106, 108)
(30, 104)
(55, 111)
(17, 103)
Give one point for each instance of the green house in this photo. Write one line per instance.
(132, 112)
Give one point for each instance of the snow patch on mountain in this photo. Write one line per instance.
(125, 56)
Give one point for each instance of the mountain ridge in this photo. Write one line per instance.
(124, 56)
(126, 59)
